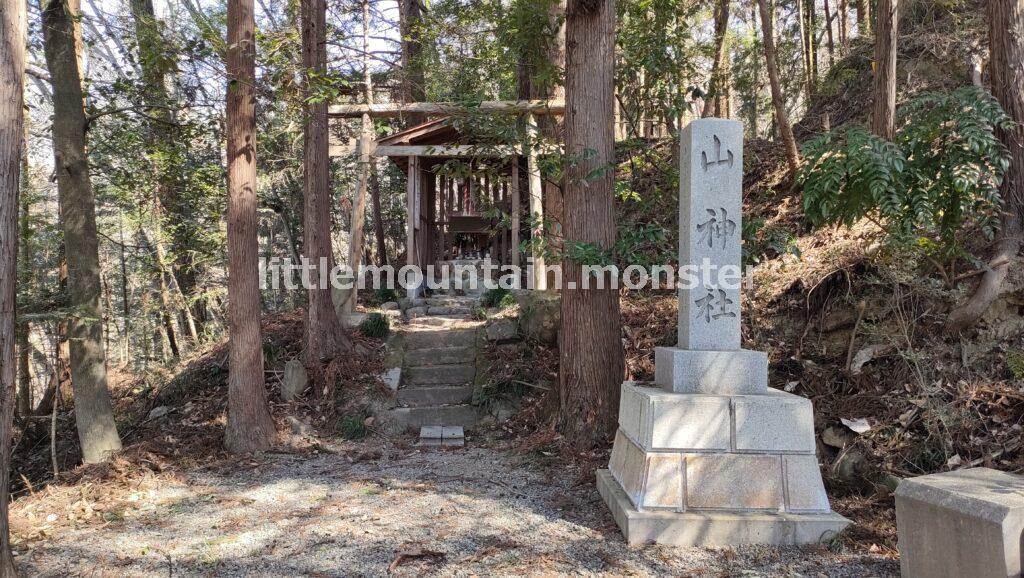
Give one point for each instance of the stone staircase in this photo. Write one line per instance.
(439, 365)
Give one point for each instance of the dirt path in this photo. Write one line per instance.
(371, 509)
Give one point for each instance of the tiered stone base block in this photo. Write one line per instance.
(702, 469)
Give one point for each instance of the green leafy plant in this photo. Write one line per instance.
(939, 177)
(384, 295)
(375, 325)
(352, 426)
(507, 301)
(493, 297)
(1015, 362)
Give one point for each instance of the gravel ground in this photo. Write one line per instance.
(374, 509)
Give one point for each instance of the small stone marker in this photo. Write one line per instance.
(958, 524)
(713, 457)
(294, 380)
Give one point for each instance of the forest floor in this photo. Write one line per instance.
(372, 508)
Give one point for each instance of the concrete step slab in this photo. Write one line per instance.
(442, 436)
(441, 337)
(438, 375)
(450, 415)
(435, 395)
(440, 356)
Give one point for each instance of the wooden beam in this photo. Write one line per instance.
(393, 109)
(411, 190)
(483, 151)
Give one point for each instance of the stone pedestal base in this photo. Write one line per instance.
(740, 468)
(714, 529)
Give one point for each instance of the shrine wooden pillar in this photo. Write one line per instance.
(516, 208)
(539, 273)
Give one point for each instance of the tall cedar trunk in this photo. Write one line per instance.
(250, 427)
(410, 14)
(590, 341)
(97, 431)
(161, 142)
(718, 88)
(863, 17)
(778, 101)
(12, 113)
(323, 328)
(883, 112)
(1006, 66)
(805, 10)
(551, 126)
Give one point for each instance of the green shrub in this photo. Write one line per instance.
(384, 295)
(493, 297)
(375, 325)
(939, 177)
(352, 426)
(507, 301)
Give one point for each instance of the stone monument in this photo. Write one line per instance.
(710, 455)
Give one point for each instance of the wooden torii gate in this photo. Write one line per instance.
(422, 206)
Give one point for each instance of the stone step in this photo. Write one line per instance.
(438, 375)
(450, 301)
(437, 395)
(440, 356)
(440, 338)
(446, 310)
(449, 415)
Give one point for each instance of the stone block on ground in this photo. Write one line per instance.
(502, 331)
(727, 372)
(390, 306)
(294, 381)
(414, 312)
(540, 315)
(392, 378)
(959, 524)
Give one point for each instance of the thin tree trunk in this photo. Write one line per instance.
(26, 279)
(161, 142)
(883, 116)
(250, 427)
(1005, 21)
(12, 135)
(591, 358)
(828, 34)
(843, 11)
(718, 89)
(94, 415)
(778, 101)
(125, 311)
(863, 18)
(358, 221)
